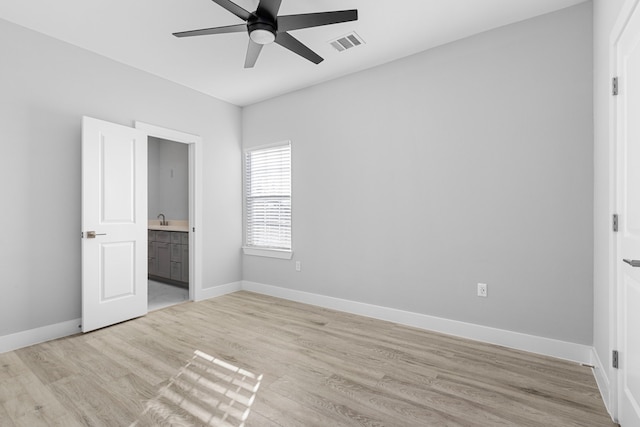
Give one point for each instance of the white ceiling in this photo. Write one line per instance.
(138, 33)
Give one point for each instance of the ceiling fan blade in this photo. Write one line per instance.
(234, 8)
(307, 20)
(295, 46)
(216, 30)
(269, 8)
(253, 51)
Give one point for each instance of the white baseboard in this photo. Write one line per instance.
(38, 335)
(546, 346)
(217, 291)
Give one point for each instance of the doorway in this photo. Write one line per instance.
(191, 268)
(168, 219)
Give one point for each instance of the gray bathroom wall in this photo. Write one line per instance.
(168, 179)
(471, 162)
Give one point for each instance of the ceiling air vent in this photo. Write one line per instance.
(347, 42)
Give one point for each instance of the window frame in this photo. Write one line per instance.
(263, 250)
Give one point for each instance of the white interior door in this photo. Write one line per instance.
(628, 134)
(114, 223)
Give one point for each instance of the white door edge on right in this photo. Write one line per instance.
(627, 131)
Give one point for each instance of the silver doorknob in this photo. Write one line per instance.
(93, 234)
(632, 262)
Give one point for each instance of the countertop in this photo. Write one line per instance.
(174, 225)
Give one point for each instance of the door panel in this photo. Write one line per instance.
(117, 173)
(632, 302)
(118, 270)
(114, 206)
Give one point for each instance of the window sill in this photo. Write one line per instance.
(269, 253)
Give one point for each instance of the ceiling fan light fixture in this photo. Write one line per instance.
(261, 36)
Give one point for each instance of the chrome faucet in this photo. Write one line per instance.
(163, 221)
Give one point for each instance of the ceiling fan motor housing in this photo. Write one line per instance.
(262, 30)
(263, 27)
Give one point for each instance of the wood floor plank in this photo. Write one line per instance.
(284, 412)
(11, 387)
(133, 359)
(68, 420)
(45, 401)
(287, 364)
(95, 404)
(5, 420)
(47, 361)
(23, 410)
(311, 395)
(11, 365)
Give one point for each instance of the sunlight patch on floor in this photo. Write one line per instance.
(206, 391)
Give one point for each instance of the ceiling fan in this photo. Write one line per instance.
(265, 26)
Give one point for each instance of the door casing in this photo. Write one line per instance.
(195, 199)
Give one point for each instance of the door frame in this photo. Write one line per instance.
(616, 162)
(194, 143)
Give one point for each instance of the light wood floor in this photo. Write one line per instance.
(286, 364)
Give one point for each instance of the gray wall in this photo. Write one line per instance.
(46, 86)
(605, 14)
(471, 162)
(168, 187)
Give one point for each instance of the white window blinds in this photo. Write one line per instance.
(268, 197)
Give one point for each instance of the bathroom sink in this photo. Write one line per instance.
(173, 225)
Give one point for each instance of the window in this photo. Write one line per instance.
(267, 201)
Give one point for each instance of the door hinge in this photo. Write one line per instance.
(614, 359)
(614, 223)
(614, 86)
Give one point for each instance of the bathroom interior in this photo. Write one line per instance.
(168, 207)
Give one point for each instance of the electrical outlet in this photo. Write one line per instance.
(482, 290)
(298, 266)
